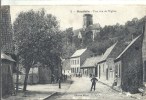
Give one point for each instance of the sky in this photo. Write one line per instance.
(72, 16)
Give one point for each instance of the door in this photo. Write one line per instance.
(145, 71)
(99, 71)
(107, 74)
(96, 71)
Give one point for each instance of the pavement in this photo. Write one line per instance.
(80, 90)
(39, 91)
(136, 96)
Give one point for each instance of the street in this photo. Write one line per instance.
(80, 89)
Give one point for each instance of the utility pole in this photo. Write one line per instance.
(0, 57)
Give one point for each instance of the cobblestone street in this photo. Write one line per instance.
(80, 89)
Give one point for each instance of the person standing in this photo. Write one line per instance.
(59, 81)
(93, 80)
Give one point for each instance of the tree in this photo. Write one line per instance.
(38, 38)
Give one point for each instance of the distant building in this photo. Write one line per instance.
(66, 69)
(33, 76)
(88, 32)
(77, 60)
(90, 66)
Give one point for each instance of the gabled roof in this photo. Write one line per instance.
(77, 31)
(131, 43)
(78, 52)
(107, 52)
(94, 26)
(66, 64)
(91, 62)
(6, 57)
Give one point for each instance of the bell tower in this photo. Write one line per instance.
(87, 20)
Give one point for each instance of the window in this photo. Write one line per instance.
(103, 67)
(78, 61)
(119, 71)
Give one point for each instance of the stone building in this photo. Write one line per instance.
(129, 66)
(6, 31)
(88, 32)
(106, 65)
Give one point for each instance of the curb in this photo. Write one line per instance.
(49, 96)
(55, 92)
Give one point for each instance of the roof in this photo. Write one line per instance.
(107, 52)
(91, 62)
(132, 42)
(76, 32)
(94, 26)
(6, 57)
(78, 52)
(66, 64)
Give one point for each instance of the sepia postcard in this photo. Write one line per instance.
(73, 52)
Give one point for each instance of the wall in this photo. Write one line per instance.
(144, 54)
(131, 61)
(7, 79)
(6, 30)
(66, 72)
(118, 70)
(75, 64)
(102, 70)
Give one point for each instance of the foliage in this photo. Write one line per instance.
(38, 38)
(132, 79)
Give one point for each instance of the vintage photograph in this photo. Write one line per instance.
(92, 52)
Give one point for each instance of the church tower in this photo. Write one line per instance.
(87, 20)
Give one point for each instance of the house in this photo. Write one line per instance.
(66, 70)
(7, 75)
(128, 66)
(77, 59)
(106, 65)
(33, 76)
(90, 66)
